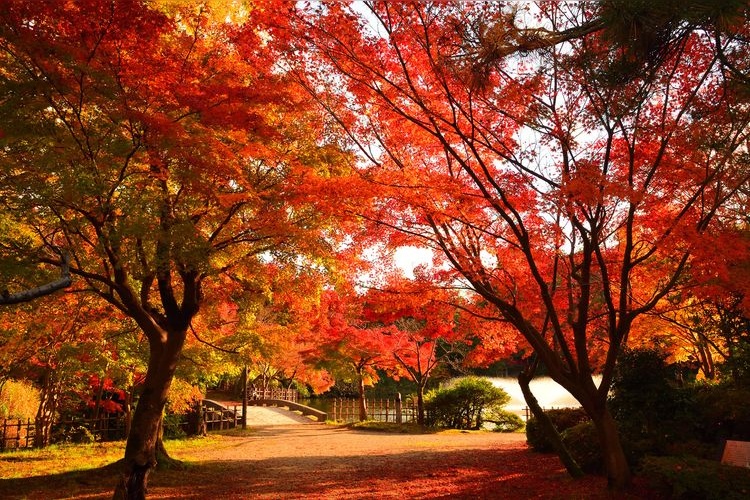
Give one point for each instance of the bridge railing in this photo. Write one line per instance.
(283, 394)
(216, 417)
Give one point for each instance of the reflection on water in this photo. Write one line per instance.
(548, 392)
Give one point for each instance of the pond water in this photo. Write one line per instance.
(549, 393)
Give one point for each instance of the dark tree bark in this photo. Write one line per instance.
(548, 428)
(144, 446)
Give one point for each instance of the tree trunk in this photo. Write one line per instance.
(143, 439)
(163, 460)
(547, 427)
(244, 400)
(98, 404)
(46, 411)
(619, 476)
(129, 409)
(420, 404)
(362, 400)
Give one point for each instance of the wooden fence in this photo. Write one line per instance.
(17, 434)
(383, 410)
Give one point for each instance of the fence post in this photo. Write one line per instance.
(18, 435)
(399, 417)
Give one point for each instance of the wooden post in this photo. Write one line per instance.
(399, 416)
(244, 398)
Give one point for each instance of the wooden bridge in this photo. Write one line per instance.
(277, 407)
(292, 406)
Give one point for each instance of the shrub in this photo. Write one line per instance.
(505, 421)
(722, 412)
(692, 478)
(651, 411)
(172, 426)
(583, 443)
(78, 434)
(461, 405)
(563, 419)
(18, 399)
(642, 397)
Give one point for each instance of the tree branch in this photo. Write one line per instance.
(40, 291)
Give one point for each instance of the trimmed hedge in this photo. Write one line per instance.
(689, 478)
(564, 418)
(462, 405)
(583, 443)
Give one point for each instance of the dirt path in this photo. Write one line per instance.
(322, 461)
(319, 461)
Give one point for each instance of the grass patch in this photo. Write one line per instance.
(58, 459)
(71, 458)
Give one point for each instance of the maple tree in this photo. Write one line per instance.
(571, 201)
(345, 337)
(274, 330)
(59, 344)
(161, 151)
(426, 328)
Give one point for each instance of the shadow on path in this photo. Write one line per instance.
(329, 462)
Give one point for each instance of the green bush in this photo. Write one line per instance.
(563, 419)
(505, 421)
(722, 412)
(642, 396)
(695, 478)
(172, 426)
(462, 405)
(582, 442)
(78, 434)
(651, 411)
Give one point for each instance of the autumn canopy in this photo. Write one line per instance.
(226, 183)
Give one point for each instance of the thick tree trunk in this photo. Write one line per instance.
(45, 414)
(548, 428)
(143, 440)
(163, 460)
(619, 476)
